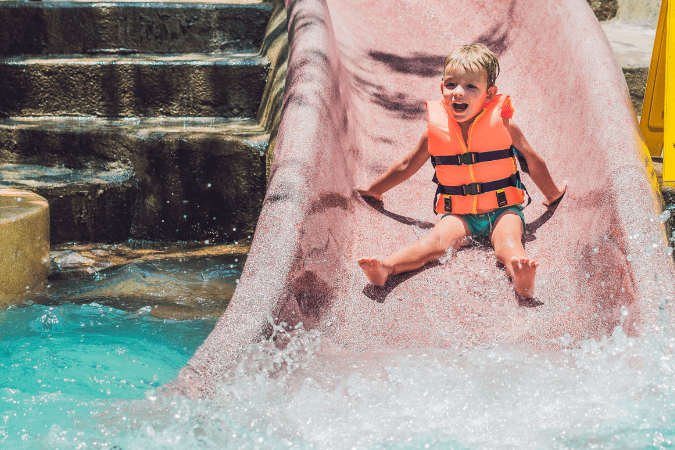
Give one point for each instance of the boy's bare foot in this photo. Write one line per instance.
(524, 271)
(562, 188)
(376, 272)
(366, 193)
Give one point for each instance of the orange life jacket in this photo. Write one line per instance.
(481, 176)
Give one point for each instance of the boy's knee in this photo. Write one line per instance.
(506, 242)
(433, 241)
(510, 224)
(434, 244)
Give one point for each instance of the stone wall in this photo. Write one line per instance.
(604, 9)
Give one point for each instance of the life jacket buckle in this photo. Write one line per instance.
(472, 188)
(501, 198)
(467, 158)
(447, 203)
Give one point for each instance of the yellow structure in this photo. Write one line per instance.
(24, 243)
(653, 110)
(658, 117)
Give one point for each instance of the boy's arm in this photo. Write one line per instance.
(538, 170)
(400, 171)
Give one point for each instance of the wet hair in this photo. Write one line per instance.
(474, 57)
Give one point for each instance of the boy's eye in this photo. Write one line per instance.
(450, 85)
(471, 86)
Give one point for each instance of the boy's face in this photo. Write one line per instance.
(466, 92)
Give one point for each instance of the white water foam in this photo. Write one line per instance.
(298, 392)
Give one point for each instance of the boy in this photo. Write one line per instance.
(470, 138)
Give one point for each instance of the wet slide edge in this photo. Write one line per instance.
(264, 285)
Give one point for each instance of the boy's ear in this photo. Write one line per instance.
(491, 92)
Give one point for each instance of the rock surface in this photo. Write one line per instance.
(177, 282)
(604, 9)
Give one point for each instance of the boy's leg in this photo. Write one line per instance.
(507, 241)
(449, 232)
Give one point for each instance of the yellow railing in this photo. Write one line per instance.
(658, 112)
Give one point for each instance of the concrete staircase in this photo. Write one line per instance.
(140, 121)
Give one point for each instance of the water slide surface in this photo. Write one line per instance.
(359, 73)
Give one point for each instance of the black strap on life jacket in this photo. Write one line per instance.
(480, 188)
(521, 160)
(469, 158)
(473, 157)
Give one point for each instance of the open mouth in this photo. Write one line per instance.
(459, 107)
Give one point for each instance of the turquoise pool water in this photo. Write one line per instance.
(60, 363)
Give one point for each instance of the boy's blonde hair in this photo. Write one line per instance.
(474, 57)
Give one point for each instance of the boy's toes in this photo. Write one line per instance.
(374, 270)
(524, 272)
(527, 263)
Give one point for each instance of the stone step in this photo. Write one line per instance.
(147, 179)
(64, 27)
(83, 202)
(192, 85)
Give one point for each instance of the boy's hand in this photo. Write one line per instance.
(553, 199)
(367, 193)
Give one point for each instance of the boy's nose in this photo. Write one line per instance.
(458, 91)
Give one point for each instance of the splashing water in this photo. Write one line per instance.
(297, 391)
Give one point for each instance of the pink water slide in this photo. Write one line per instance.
(359, 74)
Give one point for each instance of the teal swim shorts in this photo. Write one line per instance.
(481, 224)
